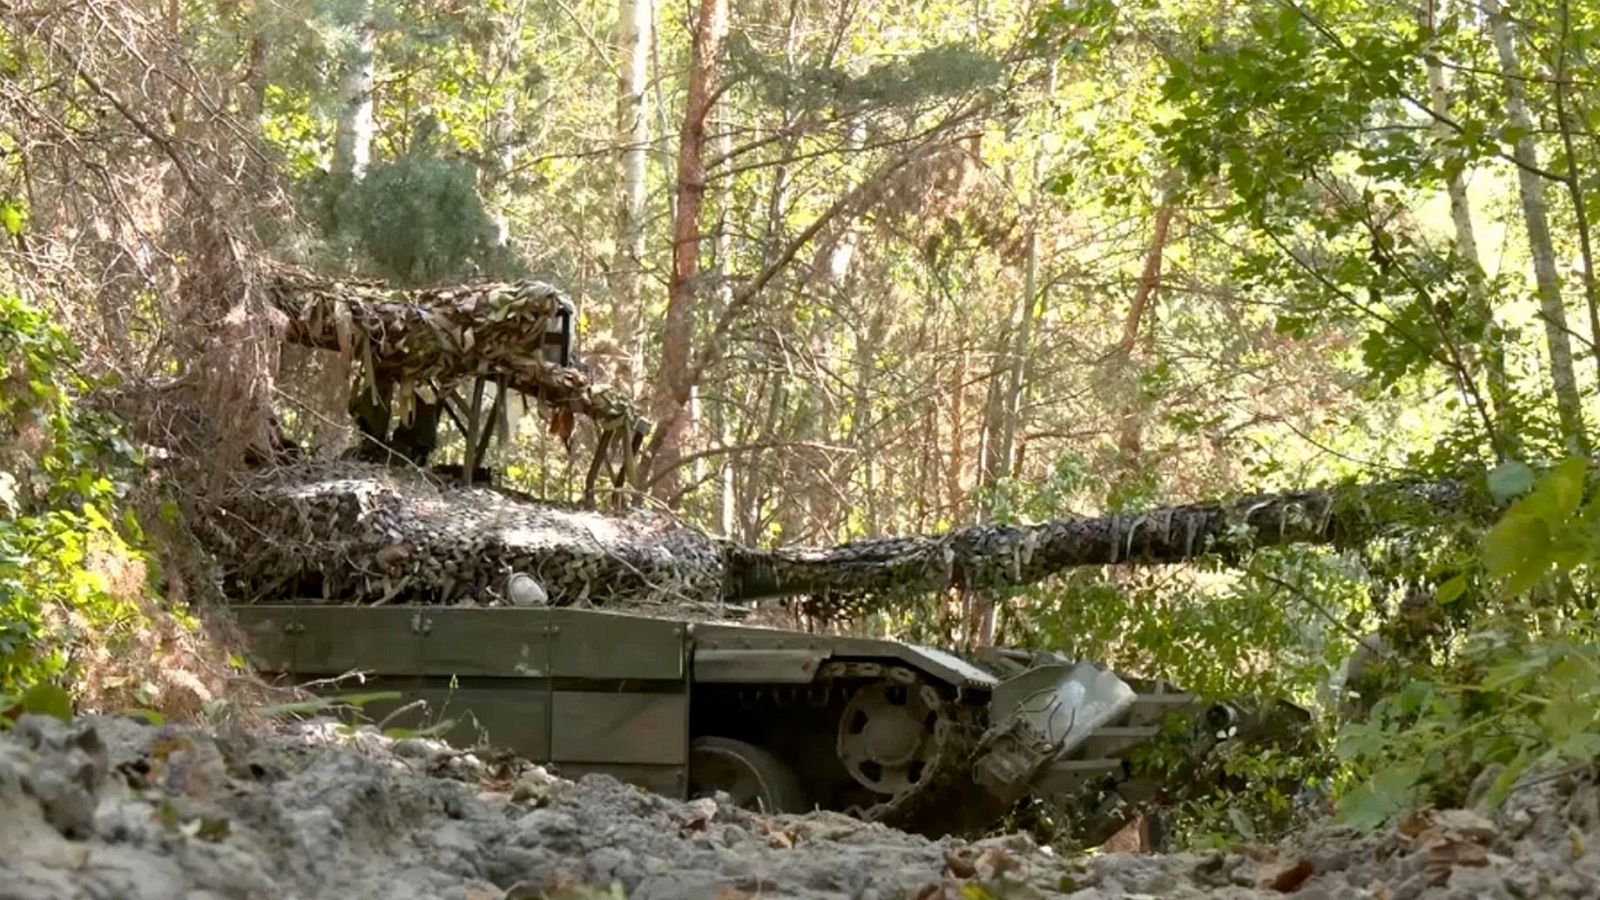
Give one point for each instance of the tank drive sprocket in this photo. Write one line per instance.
(912, 744)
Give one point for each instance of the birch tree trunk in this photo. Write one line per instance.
(674, 387)
(633, 142)
(352, 140)
(1467, 242)
(1562, 377)
(504, 60)
(1574, 179)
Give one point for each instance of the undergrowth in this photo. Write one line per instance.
(80, 601)
(1515, 695)
(1448, 663)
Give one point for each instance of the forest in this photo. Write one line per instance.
(1252, 347)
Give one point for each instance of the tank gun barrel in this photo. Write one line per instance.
(442, 543)
(995, 556)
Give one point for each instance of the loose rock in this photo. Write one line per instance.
(109, 808)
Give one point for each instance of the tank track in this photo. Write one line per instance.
(948, 800)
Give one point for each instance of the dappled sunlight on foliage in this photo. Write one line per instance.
(1517, 692)
(79, 603)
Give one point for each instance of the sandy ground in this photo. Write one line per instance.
(113, 808)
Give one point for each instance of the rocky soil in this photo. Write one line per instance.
(114, 808)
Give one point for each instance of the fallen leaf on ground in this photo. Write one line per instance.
(1445, 854)
(992, 862)
(960, 863)
(1288, 877)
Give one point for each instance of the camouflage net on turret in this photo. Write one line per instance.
(357, 533)
(443, 336)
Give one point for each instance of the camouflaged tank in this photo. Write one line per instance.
(611, 642)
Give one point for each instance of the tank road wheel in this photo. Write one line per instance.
(889, 734)
(754, 778)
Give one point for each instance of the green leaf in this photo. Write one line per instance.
(1507, 780)
(1357, 741)
(324, 704)
(148, 716)
(437, 728)
(12, 218)
(1583, 746)
(1451, 590)
(1517, 549)
(1509, 480)
(1384, 796)
(1241, 823)
(47, 700)
(1559, 492)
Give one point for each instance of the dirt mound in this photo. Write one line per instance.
(112, 808)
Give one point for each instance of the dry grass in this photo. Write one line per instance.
(174, 649)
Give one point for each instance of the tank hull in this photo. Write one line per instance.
(891, 731)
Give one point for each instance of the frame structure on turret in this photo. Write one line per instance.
(417, 355)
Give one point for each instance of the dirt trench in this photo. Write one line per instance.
(115, 809)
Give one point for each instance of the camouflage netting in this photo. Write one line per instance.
(365, 534)
(368, 534)
(372, 534)
(852, 579)
(444, 336)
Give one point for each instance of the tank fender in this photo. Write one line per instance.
(778, 649)
(774, 665)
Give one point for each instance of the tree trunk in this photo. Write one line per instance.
(1562, 378)
(1130, 437)
(1580, 213)
(504, 61)
(1022, 314)
(723, 409)
(1467, 248)
(864, 431)
(352, 141)
(674, 386)
(955, 464)
(633, 142)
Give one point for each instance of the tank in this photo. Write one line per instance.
(778, 719)
(606, 642)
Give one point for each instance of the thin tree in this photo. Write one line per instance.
(633, 143)
(675, 385)
(1465, 234)
(1563, 379)
(352, 141)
